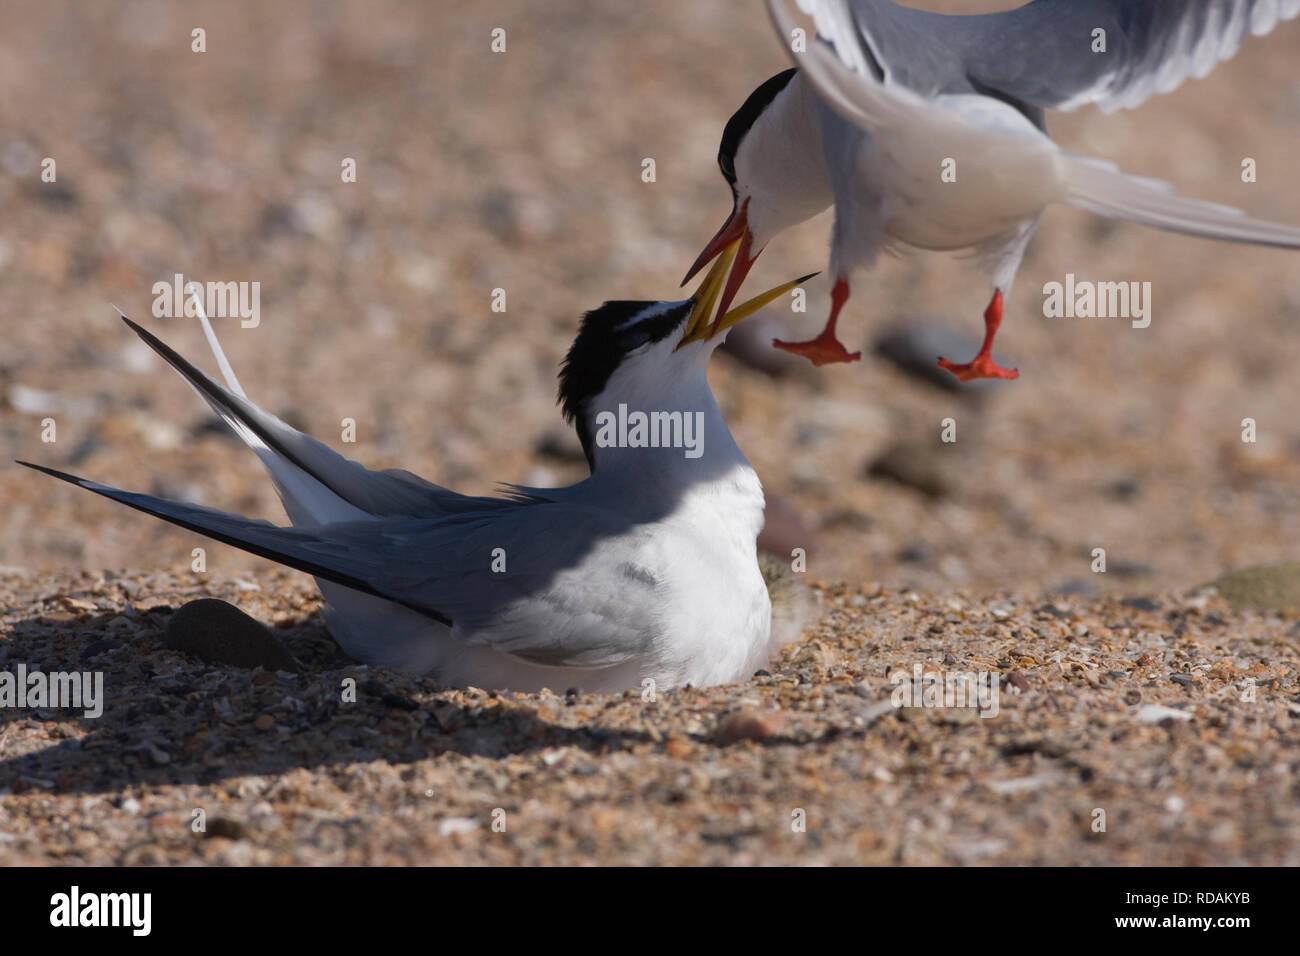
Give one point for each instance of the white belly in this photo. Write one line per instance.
(948, 186)
(711, 615)
(720, 640)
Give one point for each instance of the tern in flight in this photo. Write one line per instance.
(927, 131)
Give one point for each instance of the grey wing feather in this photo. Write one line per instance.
(330, 557)
(557, 584)
(391, 492)
(1042, 54)
(446, 569)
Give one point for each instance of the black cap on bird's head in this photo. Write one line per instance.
(736, 234)
(623, 333)
(741, 122)
(607, 336)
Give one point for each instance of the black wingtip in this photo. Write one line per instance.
(136, 328)
(61, 475)
(139, 330)
(170, 355)
(122, 315)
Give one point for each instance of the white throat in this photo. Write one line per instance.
(661, 444)
(780, 164)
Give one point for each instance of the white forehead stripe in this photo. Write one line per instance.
(659, 308)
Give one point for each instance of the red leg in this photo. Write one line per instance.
(982, 365)
(826, 348)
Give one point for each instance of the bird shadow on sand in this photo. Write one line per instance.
(172, 719)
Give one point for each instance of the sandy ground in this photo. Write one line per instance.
(522, 171)
(1119, 736)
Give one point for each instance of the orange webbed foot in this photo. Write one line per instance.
(982, 365)
(826, 349)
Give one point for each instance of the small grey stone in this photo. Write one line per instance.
(226, 828)
(215, 631)
(155, 755)
(1082, 587)
(1053, 610)
(1141, 604)
(915, 552)
(98, 647)
(927, 466)
(1124, 489)
(1268, 587)
(1130, 569)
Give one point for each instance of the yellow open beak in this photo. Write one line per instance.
(698, 326)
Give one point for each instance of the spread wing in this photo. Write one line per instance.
(1046, 54)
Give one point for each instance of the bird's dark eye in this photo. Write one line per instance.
(727, 163)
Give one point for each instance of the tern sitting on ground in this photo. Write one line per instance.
(927, 131)
(647, 569)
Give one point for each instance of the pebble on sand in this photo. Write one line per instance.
(221, 633)
(1156, 713)
(749, 724)
(927, 466)
(1265, 587)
